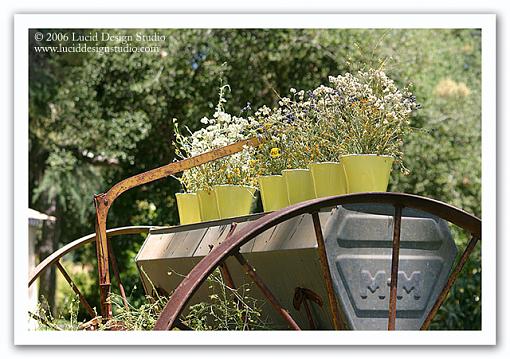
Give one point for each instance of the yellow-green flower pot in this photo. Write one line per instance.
(234, 201)
(328, 179)
(189, 208)
(299, 185)
(273, 192)
(208, 205)
(367, 173)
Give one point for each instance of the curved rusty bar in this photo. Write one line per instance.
(55, 256)
(204, 268)
(103, 202)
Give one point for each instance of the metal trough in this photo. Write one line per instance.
(358, 245)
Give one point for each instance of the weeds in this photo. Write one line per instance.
(227, 309)
(66, 321)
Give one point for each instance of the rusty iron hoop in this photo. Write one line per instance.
(230, 246)
(54, 259)
(55, 256)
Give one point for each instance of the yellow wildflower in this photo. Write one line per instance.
(275, 152)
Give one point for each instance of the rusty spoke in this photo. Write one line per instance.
(267, 293)
(333, 305)
(305, 296)
(395, 251)
(309, 315)
(181, 326)
(227, 277)
(117, 276)
(225, 273)
(83, 301)
(451, 279)
(44, 321)
(229, 282)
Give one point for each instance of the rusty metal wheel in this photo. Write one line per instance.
(54, 259)
(230, 247)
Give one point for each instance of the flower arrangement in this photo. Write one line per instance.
(221, 130)
(313, 116)
(370, 114)
(271, 157)
(285, 138)
(311, 138)
(364, 113)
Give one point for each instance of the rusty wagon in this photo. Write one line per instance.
(368, 261)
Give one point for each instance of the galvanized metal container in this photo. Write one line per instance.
(358, 245)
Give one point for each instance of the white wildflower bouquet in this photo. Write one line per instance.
(221, 130)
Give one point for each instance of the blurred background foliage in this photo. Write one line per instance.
(97, 119)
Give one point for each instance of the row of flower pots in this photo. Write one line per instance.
(223, 201)
(360, 120)
(355, 173)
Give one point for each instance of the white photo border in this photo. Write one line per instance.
(485, 22)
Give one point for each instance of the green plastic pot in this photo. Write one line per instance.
(208, 205)
(328, 179)
(189, 208)
(299, 185)
(273, 192)
(367, 173)
(233, 200)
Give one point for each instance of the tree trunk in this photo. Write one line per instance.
(46, 246)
